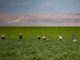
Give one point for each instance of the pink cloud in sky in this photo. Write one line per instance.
(58, 16)
(41, 16)
(41, 20)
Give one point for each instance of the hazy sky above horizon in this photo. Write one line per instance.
(40, 12)
(39, 6)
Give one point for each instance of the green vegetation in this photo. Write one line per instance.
(30, 48)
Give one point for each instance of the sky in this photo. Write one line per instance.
(39, 12)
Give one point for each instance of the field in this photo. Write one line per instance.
(30, 48)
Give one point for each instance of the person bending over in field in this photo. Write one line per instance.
(59, 37)
(20, 36)
(74, 38)
(44, 38)
(38, 37)
(3, 37)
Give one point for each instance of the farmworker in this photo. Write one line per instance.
(3, 37)
(20, 36)
(44, 38)
(60, 37)
(74, 38)
(38, 37)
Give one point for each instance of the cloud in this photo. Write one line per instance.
(14, 21)
(41, 20)
(58, 16)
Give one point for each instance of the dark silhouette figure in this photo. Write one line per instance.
(20, 36)
(38, 37)
(74, 38)
(3, 37)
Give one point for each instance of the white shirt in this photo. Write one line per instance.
(60, 37)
